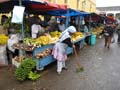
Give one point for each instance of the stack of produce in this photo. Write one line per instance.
(26, 70)
(42, 40)
(77, 35)
(3, 39)
(55, 34)
(44, 53)
(30, 44)
(19, 59)
(97, 31)
(28, 41)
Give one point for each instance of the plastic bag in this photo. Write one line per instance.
(113, 40)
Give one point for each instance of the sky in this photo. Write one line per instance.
(105, 3)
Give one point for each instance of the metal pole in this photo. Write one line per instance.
(67, 19)
(20, 3)
(90, 23)
(22, 27)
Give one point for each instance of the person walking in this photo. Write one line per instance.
(118, 32)
(108, 32)
(59, 49)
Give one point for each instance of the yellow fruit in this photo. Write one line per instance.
(3, 39)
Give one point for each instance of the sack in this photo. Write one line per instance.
(106, 34)
(113, 40)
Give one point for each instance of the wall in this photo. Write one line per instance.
(83, 5)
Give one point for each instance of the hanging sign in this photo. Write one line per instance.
(18, 12)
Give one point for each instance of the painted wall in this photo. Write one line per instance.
(83, 5)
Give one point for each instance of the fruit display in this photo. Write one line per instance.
(28, 41)
(97, 31)
(77, 36)
(3, 39)
(55, 34)
(53, 40)
(44, 53)
(42, 40)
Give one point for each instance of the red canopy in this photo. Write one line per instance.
(4, 1)
(110, 18)
(49, 6)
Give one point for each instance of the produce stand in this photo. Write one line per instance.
(42, 62)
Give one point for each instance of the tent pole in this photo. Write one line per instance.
(79, 23)
(67, 19)
(20, 3)
(22, 27)
(90, 23)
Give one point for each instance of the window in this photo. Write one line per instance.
(83, 5)
(90, 7)
(78, 4)
(55, 1)
(65, 1)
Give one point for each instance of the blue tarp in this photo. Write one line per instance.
(72, 12)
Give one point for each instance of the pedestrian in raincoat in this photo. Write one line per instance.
(59, 50)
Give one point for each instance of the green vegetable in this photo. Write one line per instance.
(29, 64)
(33, 76)
(21, 74)
(25, 68)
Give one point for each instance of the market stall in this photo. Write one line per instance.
(40, 49)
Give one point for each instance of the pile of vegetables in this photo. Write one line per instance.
(26, 70)
(3, 39)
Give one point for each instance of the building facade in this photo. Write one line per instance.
(82, 5)
(113, 11)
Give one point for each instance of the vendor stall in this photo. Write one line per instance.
(40, 48)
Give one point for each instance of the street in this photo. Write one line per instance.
(101, 72)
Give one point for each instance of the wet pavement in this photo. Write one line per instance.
(101, 72)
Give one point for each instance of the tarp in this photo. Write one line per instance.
(48, 6)
(31, 6)
(110, 18)
(1, 1)
(72, 12)
(94, 17)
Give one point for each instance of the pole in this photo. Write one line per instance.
(79, 23)
(20, 4)
(22, 27)
(67, 18)
(90, 23)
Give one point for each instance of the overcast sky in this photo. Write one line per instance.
(105, 3)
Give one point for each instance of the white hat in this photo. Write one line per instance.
(71, 29)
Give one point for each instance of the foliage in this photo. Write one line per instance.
(28, 63)
(21, 73)
(25, 68)
(33, 76)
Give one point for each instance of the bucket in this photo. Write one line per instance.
(93, 40)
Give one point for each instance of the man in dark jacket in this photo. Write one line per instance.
(118, 32)
(108, 32)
